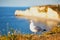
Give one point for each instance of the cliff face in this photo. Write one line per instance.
(47, 15)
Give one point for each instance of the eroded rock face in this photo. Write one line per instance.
(45, 14)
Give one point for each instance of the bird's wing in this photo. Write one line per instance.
(38, 28)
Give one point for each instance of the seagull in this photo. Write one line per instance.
(34, 28)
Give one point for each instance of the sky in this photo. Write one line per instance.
(19, 3)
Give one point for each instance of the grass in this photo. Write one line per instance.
(52, 35)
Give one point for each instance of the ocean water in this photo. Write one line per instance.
(8, 20)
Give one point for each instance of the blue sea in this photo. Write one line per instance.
(9, 21)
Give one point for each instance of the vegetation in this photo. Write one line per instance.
(52, 35)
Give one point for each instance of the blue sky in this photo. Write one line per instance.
(18, 3)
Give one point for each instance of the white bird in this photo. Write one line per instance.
(32, 27)
(36, 28)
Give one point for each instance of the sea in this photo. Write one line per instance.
(8, 21)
